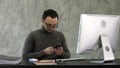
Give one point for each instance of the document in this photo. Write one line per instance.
(45, 62)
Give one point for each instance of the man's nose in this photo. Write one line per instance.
(52, 28)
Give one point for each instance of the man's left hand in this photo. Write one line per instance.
(59, 50)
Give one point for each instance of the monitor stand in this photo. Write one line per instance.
(107, 50)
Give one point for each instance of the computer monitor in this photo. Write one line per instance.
(98, 31)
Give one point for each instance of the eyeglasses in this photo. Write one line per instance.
(51, 25)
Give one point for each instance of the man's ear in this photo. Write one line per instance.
(42, 22)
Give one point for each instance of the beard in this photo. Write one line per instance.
(50, 30)
(47, 30)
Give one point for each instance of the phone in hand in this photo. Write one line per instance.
(57, 46)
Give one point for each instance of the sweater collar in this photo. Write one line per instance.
(44, 31)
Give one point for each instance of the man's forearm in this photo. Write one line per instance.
(65, 55)
(36, 55)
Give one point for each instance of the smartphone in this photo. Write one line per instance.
(57, 46)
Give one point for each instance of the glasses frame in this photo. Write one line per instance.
(50, 25)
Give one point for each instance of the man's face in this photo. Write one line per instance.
(49, 24)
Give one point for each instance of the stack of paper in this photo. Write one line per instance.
(45, 62)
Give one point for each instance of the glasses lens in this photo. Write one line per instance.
(51, 26)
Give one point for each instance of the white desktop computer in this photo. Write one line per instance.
(96, 31)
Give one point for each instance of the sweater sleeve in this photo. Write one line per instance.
(66, 52)
(28, 49)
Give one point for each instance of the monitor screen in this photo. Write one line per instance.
(92, 26)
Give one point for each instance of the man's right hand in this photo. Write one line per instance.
(49, 50)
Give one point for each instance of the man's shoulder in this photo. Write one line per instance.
(35, 31)
(59, 33)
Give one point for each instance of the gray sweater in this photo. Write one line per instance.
(39, 39)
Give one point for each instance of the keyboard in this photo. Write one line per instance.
(71, 59)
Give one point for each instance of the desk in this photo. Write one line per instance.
(74, 64)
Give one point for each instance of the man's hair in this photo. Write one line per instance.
(50, 12)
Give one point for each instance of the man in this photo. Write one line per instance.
(46, 43)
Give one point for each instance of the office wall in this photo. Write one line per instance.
(19, 17)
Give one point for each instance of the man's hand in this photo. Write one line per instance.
(49, 50)
(59, 50)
